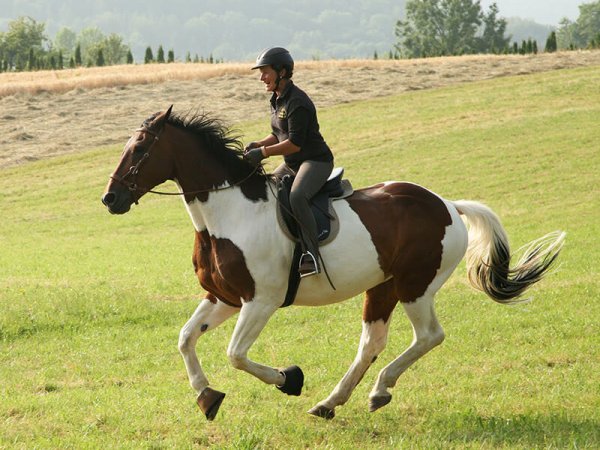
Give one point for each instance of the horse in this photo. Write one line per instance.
(398, 242)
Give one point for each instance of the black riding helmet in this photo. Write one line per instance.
(278, 58)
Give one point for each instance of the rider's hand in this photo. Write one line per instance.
(254, 156)
(250, 146)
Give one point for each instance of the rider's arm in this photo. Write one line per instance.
(271, 139)
(286, 147)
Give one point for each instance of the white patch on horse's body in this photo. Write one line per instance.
(351, 260)
(271, 268)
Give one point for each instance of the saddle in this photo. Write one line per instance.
(327, 221)
(335, 188)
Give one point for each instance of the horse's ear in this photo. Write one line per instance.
(168, 113)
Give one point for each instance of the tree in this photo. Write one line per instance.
(171, 56)
(551, 43)
(148, 57)
(31, 63)
(493, 39)
(78, 55)
(23, 35)
(580, 33)
(160, 55)
(438, 27)
(100, 58)
(65, 40)
(129, 57)
(90, 40)
(115, 52)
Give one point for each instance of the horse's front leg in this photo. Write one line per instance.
(253, 318)
(208, 316)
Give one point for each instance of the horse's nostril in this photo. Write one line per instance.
(109, 198)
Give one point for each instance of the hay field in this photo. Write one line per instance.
(48, 113)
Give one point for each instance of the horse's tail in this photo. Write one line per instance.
(488, 255)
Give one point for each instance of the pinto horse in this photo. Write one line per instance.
(397, 241)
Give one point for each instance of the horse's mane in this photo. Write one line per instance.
(211, 131)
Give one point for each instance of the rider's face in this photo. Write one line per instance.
(268, 76)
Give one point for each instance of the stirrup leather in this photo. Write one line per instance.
(308, 265)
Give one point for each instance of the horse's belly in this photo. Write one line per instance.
(351, 261)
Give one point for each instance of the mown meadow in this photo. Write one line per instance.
(91, 304)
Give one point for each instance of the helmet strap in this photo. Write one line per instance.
(279, 78)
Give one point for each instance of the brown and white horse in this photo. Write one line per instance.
(397, 241)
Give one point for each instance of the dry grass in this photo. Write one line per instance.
(48, 113)
(99, 77)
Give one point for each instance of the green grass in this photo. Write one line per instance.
(91, 304)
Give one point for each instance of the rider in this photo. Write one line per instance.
(297, 138)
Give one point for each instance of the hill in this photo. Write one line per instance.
(92, 303)
(231, 29)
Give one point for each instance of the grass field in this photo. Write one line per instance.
(91, 304)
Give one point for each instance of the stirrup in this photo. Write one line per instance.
(308, 265)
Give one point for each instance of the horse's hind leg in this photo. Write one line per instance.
(379, 304)
(427, 334)
(207, 316)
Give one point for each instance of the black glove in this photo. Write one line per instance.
(250, 146)
(254, 156)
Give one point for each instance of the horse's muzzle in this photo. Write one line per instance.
(117, 204)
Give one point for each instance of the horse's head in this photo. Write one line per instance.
(144, 164)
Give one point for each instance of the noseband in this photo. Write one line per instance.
(129, 179)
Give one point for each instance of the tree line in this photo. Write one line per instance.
(430, 28)
(457, 27)
(25, 46)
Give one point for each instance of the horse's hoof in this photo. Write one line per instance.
(209, 402)
(379, 401)
(323, 412)
(294, 380)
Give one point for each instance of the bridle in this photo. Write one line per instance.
(129, 179)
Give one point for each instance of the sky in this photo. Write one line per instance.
(546, 12)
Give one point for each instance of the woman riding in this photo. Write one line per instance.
(297, 138)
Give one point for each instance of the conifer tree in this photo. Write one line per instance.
(160, 55)
(148, 57)
(78, 55)
(31, 60)
(100, 58)
(551, 43)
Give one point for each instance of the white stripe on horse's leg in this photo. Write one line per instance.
(427, 334)
(372, 342)
(207, 317)
(254, 315)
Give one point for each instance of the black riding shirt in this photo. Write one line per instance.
(294, 117)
